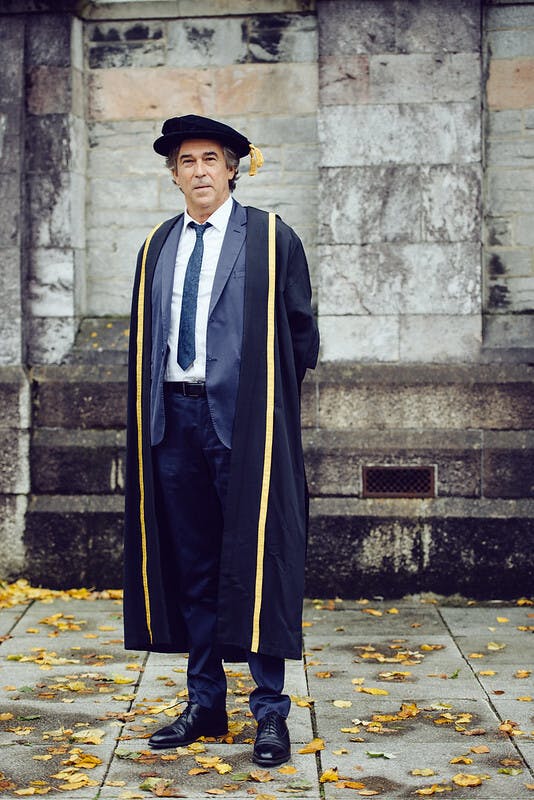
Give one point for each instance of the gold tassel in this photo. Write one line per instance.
(256, 159)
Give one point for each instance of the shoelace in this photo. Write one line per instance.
(269, 724)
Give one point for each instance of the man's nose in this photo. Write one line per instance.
(199, 167)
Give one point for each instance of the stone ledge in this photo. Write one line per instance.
(414, 509)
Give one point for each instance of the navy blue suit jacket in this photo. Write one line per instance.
(225, 326)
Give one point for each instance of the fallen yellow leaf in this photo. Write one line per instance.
(434, 789)
(288, 769)
(461, 760)
(370, 690)
(481, 748)
(424, 773)
(313, 747)
(343, 703)
(522, 673)
(464, 779)
(329, 775)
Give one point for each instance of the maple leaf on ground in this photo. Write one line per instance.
(436, 788)
(329, 776)
(465, 779)
(261, 775)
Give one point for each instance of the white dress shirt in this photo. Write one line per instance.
(213, 240)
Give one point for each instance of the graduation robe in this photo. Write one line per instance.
(261, 580)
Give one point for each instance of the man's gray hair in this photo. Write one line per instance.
(231, 158)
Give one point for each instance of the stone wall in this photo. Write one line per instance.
(399, 233)
(509, 177)
(255, 71)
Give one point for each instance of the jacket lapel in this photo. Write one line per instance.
(234, 240)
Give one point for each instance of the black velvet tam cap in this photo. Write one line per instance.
(178, 129)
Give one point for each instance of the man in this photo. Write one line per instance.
(221, 335)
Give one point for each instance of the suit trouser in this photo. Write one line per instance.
(192, 468)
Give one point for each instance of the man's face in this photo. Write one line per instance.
(202, 175)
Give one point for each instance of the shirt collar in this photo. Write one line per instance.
(219, 218)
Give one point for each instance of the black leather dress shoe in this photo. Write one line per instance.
(193, 722)
(272, 745)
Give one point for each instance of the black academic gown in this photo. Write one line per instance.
(261, 581)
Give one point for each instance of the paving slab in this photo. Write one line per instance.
(450, 685)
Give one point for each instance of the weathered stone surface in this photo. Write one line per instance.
(12, 521)
(440, 338)
(49, 90)
(89, 530)
(14, 462)
(334, 459)
(510, 190)
(442, 397)
(524, 230)
(437, 26)
(508, 261)
(11, 59)
(347, 28)
(512, 330)
(48, 143)
(50, 339)
(10, 210)
(248, 88)
(11, 320)
(359, 338)
(127, 54)
(513, 16)
(279, 37)
(14, 399)
(49, 40)
(499, 231)
(424, 78)
(369, 204)
(77, 462)
(394, 547)
(451, 200)
(504, 123)
(507, 44)
(79, 397)
(387, 279)
(343, 80)
(508, 464)
(434, 134)
(52, 282)
(50, 200)
(511, 83)
(511, 153)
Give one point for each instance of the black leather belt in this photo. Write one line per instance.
(187, 389)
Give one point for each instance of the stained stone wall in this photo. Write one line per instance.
(399, 233)
(257, 72)
(509, 179)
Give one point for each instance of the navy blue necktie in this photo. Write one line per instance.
(188, 315)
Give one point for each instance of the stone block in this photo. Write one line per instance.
(131, 31)
(451, 201)
(206, 42)
(49, 40)
(347, 28)
(519, 294)
(334, 459)
(510, 152)
(77, 462)
(56, 526)
(370, 204)
(513, 16)
(457, 77)
(50, 339)
(434, 338)
(343, 80)
(524, 230)
(77, 145)
(76, 44)
(248, 88)
(110, 163)
(422, 397)
(79, 397)
(509, 190)
(528, 116)
(127, 54)
(508, 43)
(118, 135)
(48, 147)
(12, 521)
(11, 60)
(280, 128)
(508, 464)
(10, 210)
(358, 338)
(387, 279)
(510, 83)
(282, 37)
(10, 153)
(14, 462)
(130, 192)
(504, 123)
(50, 208)
(436, 26)
(11, 320)
(51, 291)
(14, 399)
(49, 90)
(498, 231)
(509, 330)
(508, 262)
(424, 134)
